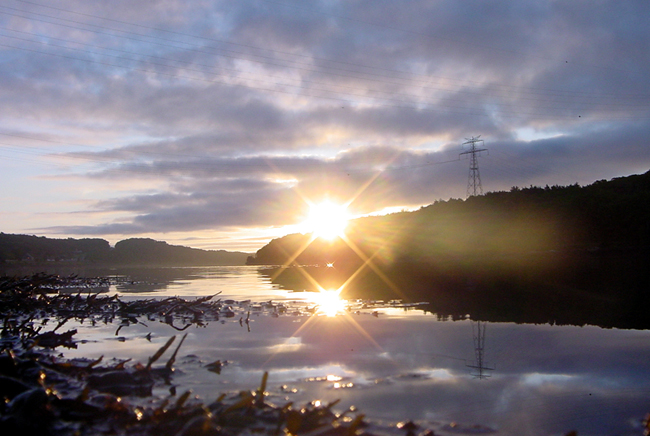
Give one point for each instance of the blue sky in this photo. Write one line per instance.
(214, 124)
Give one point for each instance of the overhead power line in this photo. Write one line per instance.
(559, 110)
(429, 36)
(640, 105)
(343, 17)
(388, 102)
(310, 57)
(192, 161)
(345, 99)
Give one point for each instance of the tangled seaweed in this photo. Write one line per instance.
(38, 298)
(46, 395)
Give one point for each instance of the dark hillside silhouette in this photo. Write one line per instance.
(22, 248)
(142, 250)
(605, 216)
(25, 249)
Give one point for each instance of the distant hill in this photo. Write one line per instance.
(133, 251)
(136, 251)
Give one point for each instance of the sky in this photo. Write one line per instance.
(216, 124)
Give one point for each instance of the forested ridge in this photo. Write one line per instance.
(605, 215)
(27, 249)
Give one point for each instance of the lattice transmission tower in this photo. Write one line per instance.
(480, 365)
(474, 179)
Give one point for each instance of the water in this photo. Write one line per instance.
(393, 363)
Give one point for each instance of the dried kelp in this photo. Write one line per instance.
(27, 299)
(47, 395)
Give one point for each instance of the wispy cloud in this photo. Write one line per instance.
(209, 116)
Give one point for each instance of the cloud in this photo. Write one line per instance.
(222, 115)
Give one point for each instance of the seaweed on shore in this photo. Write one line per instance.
(38, 297)
(46, 395)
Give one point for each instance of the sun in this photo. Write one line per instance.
(327, 220)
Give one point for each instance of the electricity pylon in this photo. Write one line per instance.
(479, 349)
(474, 180)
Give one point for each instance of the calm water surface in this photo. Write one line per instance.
(393, 363)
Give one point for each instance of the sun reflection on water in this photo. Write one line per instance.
(339, 385)
(329, 302)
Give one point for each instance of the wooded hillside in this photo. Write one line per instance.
(606, 215)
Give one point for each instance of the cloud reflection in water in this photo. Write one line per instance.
(409, 365)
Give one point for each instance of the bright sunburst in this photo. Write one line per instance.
(327, 220)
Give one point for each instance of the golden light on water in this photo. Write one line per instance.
(328, 220)
(329, 302)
